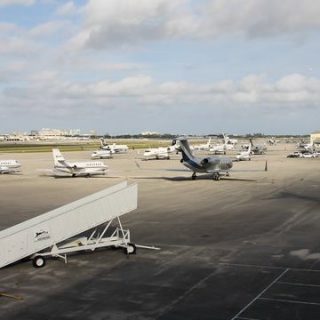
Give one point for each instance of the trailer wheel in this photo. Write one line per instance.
(130, 249)
(39, 262)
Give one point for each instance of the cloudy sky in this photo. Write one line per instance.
(179, 66)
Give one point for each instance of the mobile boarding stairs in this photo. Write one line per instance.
(58, 232)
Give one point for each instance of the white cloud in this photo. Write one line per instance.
(126, 23)
(261, 17)
(16, 46)
(67, 9)
(7, 27)
(48, 96)
(291, 91)
(46, 29)
(4, 3)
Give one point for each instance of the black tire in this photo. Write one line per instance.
(216, 177)
(130, 249)
(39, 262)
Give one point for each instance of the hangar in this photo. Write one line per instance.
(315, 137)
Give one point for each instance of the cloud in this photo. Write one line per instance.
(67, 9)
(4, 3)
(259, 18)
(124, 23)
(47, 97)
(254, 91)
(16, 46)
(15, 40)
(46, 29)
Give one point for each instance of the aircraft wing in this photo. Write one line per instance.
(9, 170)
(218, 170)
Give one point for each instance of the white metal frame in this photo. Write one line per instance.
(119, 238)
(59, 232)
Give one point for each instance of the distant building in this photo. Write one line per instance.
(150, 133)
(57, 133)
(315, 137)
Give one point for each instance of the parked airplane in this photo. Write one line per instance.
(228, 144)
(114, 148)
(9, 166)
(230, 141)
(307, 146)
(272, 141)
(218, 149)
(205, 146)
(75, 169)
(158, 153)
(101, 154)
(218, 166)
(244, 155)
(258, 148)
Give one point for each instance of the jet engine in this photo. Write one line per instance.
(205, 161)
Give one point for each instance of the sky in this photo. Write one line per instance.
(171, 66)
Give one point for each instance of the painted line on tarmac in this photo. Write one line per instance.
(260, 294)
(291, 301)
(266, 267)
(298, 284)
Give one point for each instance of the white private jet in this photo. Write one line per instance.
(205, 146)
(218, 149)
(230, 143)
(158, 153)
(217, 166)
(244, 155)
(222, 148)
(307, 146)
(101, 154)
(76, 169)
(9, 166)
(114, 148)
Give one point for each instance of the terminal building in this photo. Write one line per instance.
(315, 137)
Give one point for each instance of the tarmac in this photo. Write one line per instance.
(242, 248)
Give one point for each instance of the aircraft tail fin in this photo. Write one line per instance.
(57, 157)
(102, 143)
(184, 148)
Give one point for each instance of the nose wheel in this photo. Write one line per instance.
(216, 176)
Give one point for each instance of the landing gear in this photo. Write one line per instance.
(194, 176)
(38, 262)
(216, 176)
